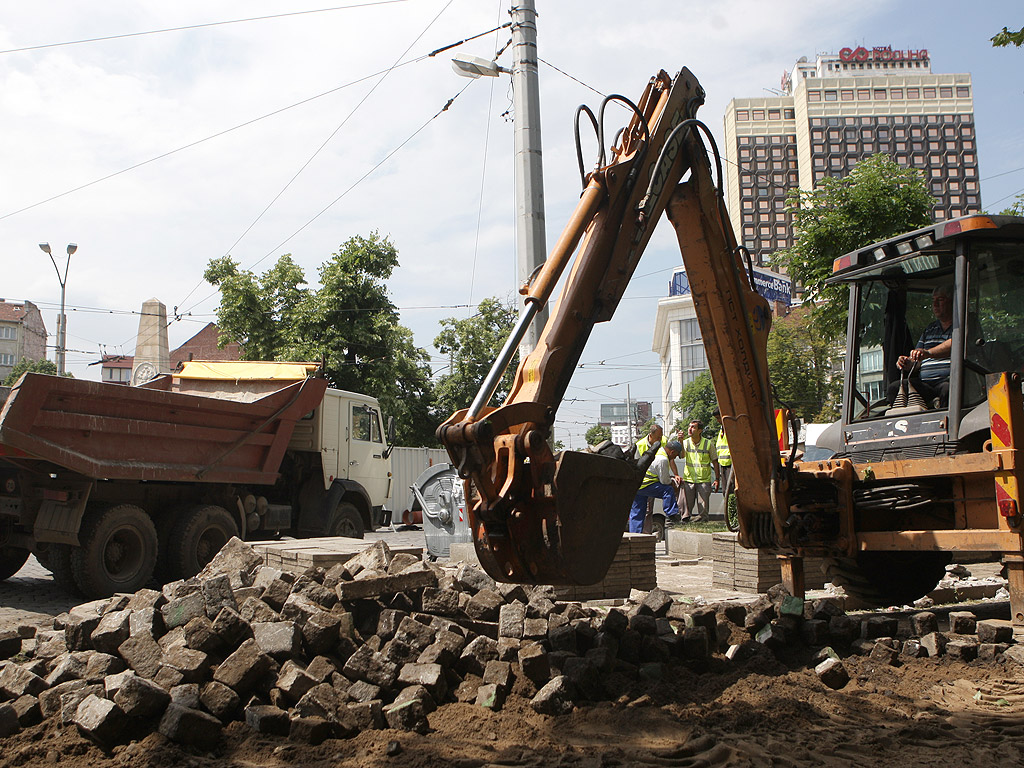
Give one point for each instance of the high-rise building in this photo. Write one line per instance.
(835, 111)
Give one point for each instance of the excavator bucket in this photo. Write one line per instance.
(583, 510)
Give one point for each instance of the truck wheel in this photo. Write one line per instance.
(117, 553)
(11, 560)
(345, 521)
(200, 534)
(889, 578)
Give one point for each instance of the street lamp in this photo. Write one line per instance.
(62, 320)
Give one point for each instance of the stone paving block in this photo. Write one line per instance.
(10, 643)
(193, 665)
(310, 730)
(145, 598)
(874, 627)
(81, 621)
(814, 632)
(293, 681)
(912, 649)
(100, 720)
(69, 666)
(111, 683)
(298, 608)
(243, 669)
(138, 697)
(963, 650)
(50, 644)
(884, 654)
(991, 651)
(219, 700)
(266, 719)
(430, 676)
(416, 693)
(476, 655)
(934, 644)
(199, 635)
(191, 727)
(9, 723)
(364, 691)
(16, 681)
(995, 631)
(832, 673)
(280, 639)
(111, 630)
(414, 633)
(842, 630)
(924, 623)
(375, 557)
(254, 609)
(186, 695)
(407, 716)
(321, 631)
(556, 697)
(697, 644)
(367, 715)
(644, 623)
(231, 627)
(513, 593)
(387, 623)
(181, 610)
(370, 666)
(142, 654)
(27, 710)
(146, 621)
(276, 593)
(234, 558)
(470, 578)
(962, 622)
(218, 594)
(484, 605)
(168, 677)
(491, 696)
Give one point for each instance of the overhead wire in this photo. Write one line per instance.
(196, 26)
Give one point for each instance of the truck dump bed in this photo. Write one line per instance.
(116, 432)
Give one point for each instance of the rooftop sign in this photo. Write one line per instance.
(881, 53)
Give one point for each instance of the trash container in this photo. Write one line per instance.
(445, 519)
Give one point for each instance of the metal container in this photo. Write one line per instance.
(445, 517)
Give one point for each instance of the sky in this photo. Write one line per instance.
(156, 151)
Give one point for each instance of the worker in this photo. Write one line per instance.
(658, 482)
(699, 459)
(724, 457)
(655, 436)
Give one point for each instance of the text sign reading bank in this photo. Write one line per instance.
(881, 53)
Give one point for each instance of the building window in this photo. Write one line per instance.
(774, 114)
(814, 95)
(963, 92)
(929, 93)
(846, 95)
(742, 114)
(913, 93)
(863, 94)
(758, 114)
(880, 93)
(946, 92)
(895, 93)
(6, 360)
(8, 332)
(788, 114)
(830, 96)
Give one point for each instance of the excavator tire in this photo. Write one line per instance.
(888, 578)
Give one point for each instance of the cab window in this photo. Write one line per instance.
(366, 424)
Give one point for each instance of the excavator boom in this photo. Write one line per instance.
(539, 517)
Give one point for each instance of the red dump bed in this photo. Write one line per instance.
(117, 432)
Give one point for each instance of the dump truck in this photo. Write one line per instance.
(109, 485)
(920, 468)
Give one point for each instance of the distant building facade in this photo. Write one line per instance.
(617, 417)
(835, 111)
(22, 335)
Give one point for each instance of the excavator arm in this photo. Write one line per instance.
(545, 518)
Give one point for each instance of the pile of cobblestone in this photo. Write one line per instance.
(379, 642)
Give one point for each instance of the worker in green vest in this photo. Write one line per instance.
(724, 457)
(657, 483)
(655, 436)
(700, 459)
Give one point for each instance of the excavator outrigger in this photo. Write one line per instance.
(910, 481)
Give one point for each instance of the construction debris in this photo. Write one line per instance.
(380, 640)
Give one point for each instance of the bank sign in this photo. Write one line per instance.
(881, 53)
(770, 285)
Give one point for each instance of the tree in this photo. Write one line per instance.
(349, 323)
(1016, 209)
(472, 345)
(1006, 37)
(800, 366)
(877, 200)
(697, 400)
(27, 365)
(597, 434)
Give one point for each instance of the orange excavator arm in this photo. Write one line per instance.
(545, 518)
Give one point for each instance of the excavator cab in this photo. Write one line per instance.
(960, 282)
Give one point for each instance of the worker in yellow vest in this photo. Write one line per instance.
(655, 436)
(699, 459)
(724, 457)
(657, 483)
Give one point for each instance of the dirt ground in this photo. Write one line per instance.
(762, 712)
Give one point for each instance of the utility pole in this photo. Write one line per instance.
(531, 238)
(629, 419)
(62, 319)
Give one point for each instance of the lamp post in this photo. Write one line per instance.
(62, 320)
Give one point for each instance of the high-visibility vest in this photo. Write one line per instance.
(722, 445)
(642, 445)
(652, 476)
(698, 460)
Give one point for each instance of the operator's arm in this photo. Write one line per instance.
(940, 351)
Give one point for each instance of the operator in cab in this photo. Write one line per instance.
(927, 365)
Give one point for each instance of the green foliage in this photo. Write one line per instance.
(697, 401)
(27, 365)
(800, 366)
(557, 446)
(877, 200)
(597, 434)
(349, 323)
(1016, 209)
(1006, 37)
(472, 345)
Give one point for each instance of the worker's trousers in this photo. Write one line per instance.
(695, 500)
(637, 513)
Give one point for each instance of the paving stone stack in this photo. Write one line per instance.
(632, 568)
(754, 570)
(380, 641)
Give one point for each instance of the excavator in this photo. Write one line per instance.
(909, 481)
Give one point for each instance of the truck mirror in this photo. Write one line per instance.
(390, 436)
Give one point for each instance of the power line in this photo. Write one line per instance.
(197, 26)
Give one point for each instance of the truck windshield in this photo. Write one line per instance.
(366, 424)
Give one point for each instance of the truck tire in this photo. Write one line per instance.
(11, 561)
(118, 551)
(888, 578)
(199, 535)
(345, 521)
